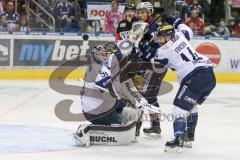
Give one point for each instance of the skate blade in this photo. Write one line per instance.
(78, 140)
(153, 135)
(187, 144)
(137, 135)
(135, 140)
(173, 149)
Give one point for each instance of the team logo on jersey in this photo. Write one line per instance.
(123, 25)
(211, 51)
(190, 100)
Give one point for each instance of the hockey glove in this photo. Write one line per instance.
(147, 52)
(137, 32)
(173, 21)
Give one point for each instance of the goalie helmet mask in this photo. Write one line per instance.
(146, 6)
(165, 30)
(100, 54)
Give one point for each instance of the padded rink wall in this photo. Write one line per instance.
(34, 56)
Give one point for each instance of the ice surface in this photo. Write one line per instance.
(32, 103)
(19, 138)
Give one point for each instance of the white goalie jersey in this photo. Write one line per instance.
(179, 55)
(95, 98)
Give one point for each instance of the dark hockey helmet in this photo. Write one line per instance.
(165, 30)
(130, 6)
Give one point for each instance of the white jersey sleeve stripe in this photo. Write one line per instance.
(185, 30)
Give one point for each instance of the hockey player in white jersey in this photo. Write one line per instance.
(195, 75)
(103, 108)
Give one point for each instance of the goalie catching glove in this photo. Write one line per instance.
(137, 32)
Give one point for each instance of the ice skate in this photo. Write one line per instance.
(154, 130)
(188, 138)
(81, 138)
(175, 145)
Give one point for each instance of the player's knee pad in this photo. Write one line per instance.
(179, 112)
(129, 114)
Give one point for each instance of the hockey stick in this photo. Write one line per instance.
(133, 56)
(145, 106)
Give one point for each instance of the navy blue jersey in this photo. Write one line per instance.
(63, 10)
(10, 18)
(151, 85)
(124, 28)
(150, 34)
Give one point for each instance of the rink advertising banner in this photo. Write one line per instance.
(224, 54)
(4, 52)
(53, 49)
(98, 10)
(32, 52)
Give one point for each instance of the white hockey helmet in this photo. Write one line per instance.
(146, 6)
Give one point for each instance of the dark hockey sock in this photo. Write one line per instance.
(155, 121)
(192, 120)
(179, 126)
(191, 125)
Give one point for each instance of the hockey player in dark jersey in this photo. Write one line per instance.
(125, 25)
(152, 79)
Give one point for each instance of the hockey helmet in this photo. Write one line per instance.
(100, 54)
(165, 30)
(146, 6)
(130, 6)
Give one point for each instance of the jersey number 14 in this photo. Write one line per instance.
(193, 54)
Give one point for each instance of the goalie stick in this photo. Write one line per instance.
(145, 106)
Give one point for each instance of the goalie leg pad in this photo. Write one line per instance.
(129, 114)
(132, 94)
(109, 135)
(113, 135)
(81, 136)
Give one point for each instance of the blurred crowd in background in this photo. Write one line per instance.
(205, 17)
